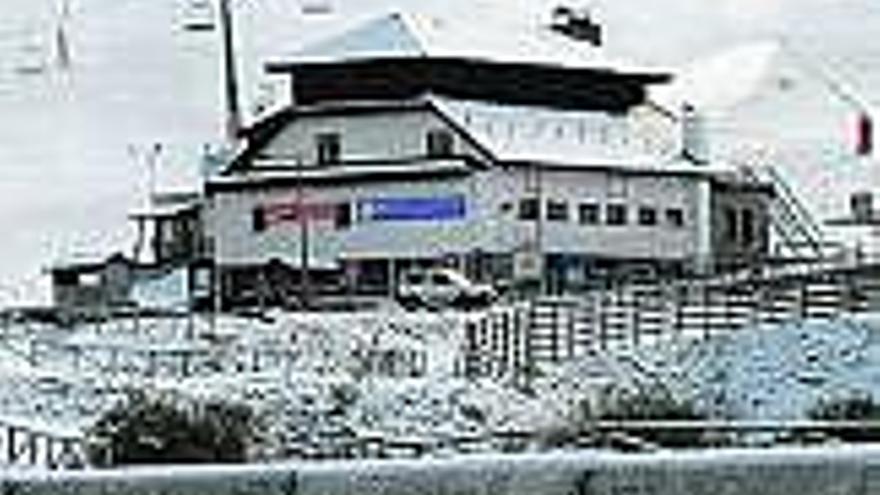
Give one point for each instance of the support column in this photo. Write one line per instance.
(703, 227)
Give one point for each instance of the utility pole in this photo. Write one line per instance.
(233, 111)
(232, 127)
(303, 217)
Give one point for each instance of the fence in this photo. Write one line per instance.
(509, 341)
(33, 445)
(844, 471)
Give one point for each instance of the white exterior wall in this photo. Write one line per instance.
(237, 243)
(505, 231)
(397, 135)
(488, 227)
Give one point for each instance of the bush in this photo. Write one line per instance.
(855, 408)
(158, 429)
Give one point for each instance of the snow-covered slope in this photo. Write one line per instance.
(75, 145)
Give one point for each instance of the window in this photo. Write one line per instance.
(440, 143)
(66, 278)
(343, 216)
(748, 228)
(616, 215)
(588, 214)
(529, 209)
(329, 148)
(675, 217)
(647, 216)
(258, 219)
(730, 225)
(557, 211)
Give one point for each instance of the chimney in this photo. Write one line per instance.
(576, 24)
(694, 142)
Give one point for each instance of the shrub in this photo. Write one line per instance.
(148, 428)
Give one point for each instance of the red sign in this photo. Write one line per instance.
(294, 211)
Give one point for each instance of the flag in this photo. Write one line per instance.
(864, 135)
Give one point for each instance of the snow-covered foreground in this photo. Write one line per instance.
(313, 379)
(321, 381)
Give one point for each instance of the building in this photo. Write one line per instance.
(166, 269)
(525, 158)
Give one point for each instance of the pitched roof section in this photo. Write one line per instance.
(525, 134)
(390, 35)
(515, 134)
(405, 35)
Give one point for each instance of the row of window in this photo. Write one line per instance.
(439, 143)
(615, 214)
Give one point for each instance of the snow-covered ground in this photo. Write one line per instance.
(316, 379)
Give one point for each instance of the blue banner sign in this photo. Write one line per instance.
(413, 208)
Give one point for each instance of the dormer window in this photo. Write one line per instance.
(329, 148)
(440, 143)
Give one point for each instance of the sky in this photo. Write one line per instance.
(76, 145)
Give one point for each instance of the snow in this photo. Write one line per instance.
(319, 381)
(549, 136)
(76, 152)
(783, 373)
(453, 33)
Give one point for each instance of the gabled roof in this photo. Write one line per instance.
(405, 35)
(528, 134)
(513, 135)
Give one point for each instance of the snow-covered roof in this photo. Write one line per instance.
(72, 259)
(287, 170)
(461, 35)
(569, 138)
(506, 133)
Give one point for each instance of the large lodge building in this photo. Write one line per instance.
(521, 158)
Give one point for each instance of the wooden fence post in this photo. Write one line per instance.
(635, 315)
(602, 308)
(706, 313)
(571, 330)
(10, 444)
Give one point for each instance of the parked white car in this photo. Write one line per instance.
(442, 287)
